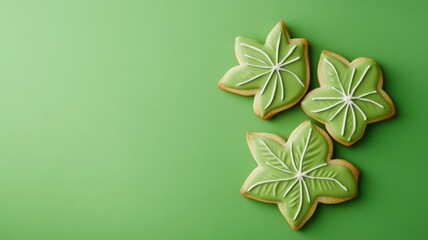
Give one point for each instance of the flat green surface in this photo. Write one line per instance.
(112, 126)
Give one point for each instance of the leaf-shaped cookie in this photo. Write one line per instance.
(299, 173)
(350, 97)
(276, 72)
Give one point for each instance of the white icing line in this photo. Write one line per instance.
(337, 90)
(329, 179)
(359, 109)
(366, 94)
(350, 81)
(337, 74)
(292, 73)
(290, 61)
(304, 150)
(359, 81)
(282, 85)
(277, 48)
(252, 79)
(258, 50)
(292, 156)
(269, 181)
(354, 119)
(273, 92)
(289, 189)
(344, 119)
(328, 107)
(277, 168)
(338, 111)
(288, 54)
(256, 59)
(315, 168)
(307, 190)
(276, 157)
(369, 100)
(327, 98)
(300, 201)
(258, 66)
(267, 82)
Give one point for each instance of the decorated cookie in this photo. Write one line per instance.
(276, 72)
(299, 173)
(349, 98)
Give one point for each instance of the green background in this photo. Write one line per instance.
(112, 126)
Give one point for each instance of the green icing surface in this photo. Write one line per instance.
(360, 83)
(275, 72)
(307, 153)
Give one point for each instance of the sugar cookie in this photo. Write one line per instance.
(350, 97)
(276, 72)
(299, 173)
